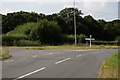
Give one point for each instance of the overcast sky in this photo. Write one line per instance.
(107, 10)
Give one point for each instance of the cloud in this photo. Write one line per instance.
(59, 0)
(93, 7)
(34, 0)
(88, 7)
(6, 10)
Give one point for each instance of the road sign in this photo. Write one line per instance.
(90, 39)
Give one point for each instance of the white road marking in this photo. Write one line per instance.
(79, 55)
(30, 73)
(8, 61)
(85, 50)
(51, 53)
(94, 53)
(62, 60)
(35, 56)
(11, 60)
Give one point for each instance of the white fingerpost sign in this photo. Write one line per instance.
(90, 39)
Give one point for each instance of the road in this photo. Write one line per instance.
(55, 63)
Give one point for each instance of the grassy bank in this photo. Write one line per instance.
(82, 46)
(111, 67)
(4, 55)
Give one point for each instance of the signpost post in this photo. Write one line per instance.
(90, 39)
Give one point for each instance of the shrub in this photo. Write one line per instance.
(28, 43)
(104, 42)
(21, 32)
(81, 38)
(9, 40)
(22, 29)
(118, 39)
(71, 38)
(47, 32)
(68, 38)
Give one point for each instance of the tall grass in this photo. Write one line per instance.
(111, 66)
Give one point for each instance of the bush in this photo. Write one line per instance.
(19, 36)
(118, 39)
(68, 38)
(27, 43)
(47, 32)
(10, 40)
(71, 38)
(22, 29)
(81, 38)
(104, 42)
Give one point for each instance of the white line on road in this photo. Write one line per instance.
(85, 50)
(62, 60)
(30, 73)
(79, 55)
(51, 53)
(11, 60)
(8, 61)
(35, 56)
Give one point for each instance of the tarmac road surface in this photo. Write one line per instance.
(28, 63)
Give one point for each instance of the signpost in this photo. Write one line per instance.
(90, 39)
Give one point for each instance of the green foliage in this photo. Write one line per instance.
(10, 40)
(105, 42)
(27, 43)
(118, 39)
(71, 38)
(111, 68)
(56, 28)
(68, 38)
(19, 36)
(22, 29)
(81, 38)
(67, 12)
(12, 20)
(47, 32)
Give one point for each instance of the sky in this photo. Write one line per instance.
(99, 9)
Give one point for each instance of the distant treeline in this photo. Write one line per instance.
(58, 23)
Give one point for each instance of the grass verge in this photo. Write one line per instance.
(111, 67)
(4, 55)
(70, 47)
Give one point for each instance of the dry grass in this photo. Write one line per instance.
(69, 47)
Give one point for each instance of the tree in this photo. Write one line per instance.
(94, 28)
(12, 20)
(67, 12)
(47, 32)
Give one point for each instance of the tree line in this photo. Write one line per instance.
(62, 22)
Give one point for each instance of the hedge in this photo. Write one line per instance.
(105, 42)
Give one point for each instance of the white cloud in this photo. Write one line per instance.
(6, 10)
(34, 0)
(59, 0)
(90, 7)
